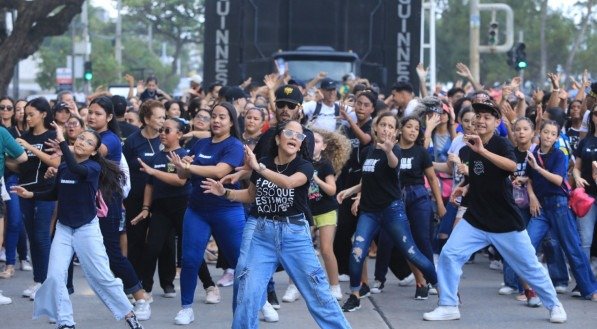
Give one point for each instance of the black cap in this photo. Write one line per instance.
(327, 84)
(120, 105)
(296, 83)
(59, 106)
(234, 93)
(482, 103)
(289, 93)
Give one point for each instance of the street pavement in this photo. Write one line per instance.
(481, 307)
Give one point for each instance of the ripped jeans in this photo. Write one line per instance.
(267, 243)
(393, 221)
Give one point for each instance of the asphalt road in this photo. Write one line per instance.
(481, 307)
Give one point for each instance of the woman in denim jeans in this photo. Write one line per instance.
(547, 170)
(382, 207)
(277, 232)
(77, 230)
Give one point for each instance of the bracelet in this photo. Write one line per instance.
(227, 194)
(145, 208)
(556, 89)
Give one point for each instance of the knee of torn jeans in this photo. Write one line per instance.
(357, 253)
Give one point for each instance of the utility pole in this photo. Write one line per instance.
(475, 23)
(73, 36)
(85, 22)
(118, 41)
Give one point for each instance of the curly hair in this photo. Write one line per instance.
(338, 148)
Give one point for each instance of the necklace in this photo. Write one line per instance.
(281, 171)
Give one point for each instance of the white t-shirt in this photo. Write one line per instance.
(584, 126)
(326, 119)
(410, 107)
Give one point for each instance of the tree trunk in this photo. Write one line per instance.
(35, 21)
(176, 56)
(542, 44)
(579, 38)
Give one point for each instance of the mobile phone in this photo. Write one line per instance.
(281, 65)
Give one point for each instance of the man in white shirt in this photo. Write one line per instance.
(325, 113)
(404, 98)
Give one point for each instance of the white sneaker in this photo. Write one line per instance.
(506, 290)
(377, 287)
(408, 281)
(343, 278)
(212, 295)
(26, 266)
(291, 294)
(442, 313)
(227, 279)
(4, 300)
(31, 290)
(561, 289)
(184, 316)
(496, 265)
(336, 291)
(269, 314)
(557, 314)
(432, 289)
(142, 310)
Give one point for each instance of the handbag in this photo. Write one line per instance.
(100, 205)
(578, 200)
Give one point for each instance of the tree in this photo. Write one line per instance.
(35, 20)
(179, 21)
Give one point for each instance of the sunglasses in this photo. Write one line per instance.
(73, 124)
(291, 133)
(6, 108)
(204, 118)
(282, 104)
(165, 130)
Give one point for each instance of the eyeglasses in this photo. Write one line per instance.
(291, 133)
(282, 104)
(165, 130)
(6, 108)
(72, 124)
(204, 118)
(89, 142)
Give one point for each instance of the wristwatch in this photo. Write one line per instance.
(261, 167)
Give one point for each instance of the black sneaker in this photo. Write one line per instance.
(576, 292)
(422, 293)
(273, 300)
(133, 322)
(66, 326)
(364, 291)
(352, 304)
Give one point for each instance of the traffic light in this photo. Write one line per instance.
(88, 73)
(493, 33)
(521, 56)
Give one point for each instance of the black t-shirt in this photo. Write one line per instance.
(355, 163)
(413, 163)
(319, 201)
(587, 152)
(381, 185)
(32, 171)
(267, 141)
(162, 189)
(271, 200)
(464, 155)
(137, 146)
(127, 129)
(574, 135)
(491, 207)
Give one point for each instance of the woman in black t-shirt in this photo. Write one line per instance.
(278, 232)
(381, 206)
(37, 214)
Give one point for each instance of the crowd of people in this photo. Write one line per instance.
(262, 178)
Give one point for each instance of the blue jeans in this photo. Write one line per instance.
(586, 226)
(37, 216)
(419, 211)
(119, 264)
(52, 298)
(515, 247)
(15, 229)
(445, 226)
(226, 225)
(393, 220)
(557, 218)
(267, 243)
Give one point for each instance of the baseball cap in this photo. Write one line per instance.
(289, 93)
(482, 103)
(59, 106)
(327, 84)
(234, 93)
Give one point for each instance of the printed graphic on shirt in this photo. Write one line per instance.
(271, 199)
(314, 192)
(369, 165)
(39, 147)
(521, 168)
(406, 163)
(478, 168)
